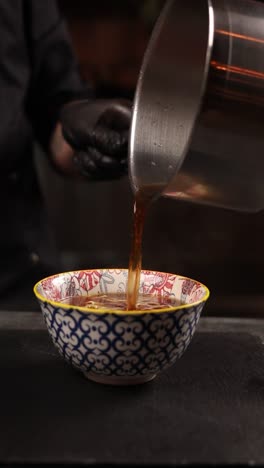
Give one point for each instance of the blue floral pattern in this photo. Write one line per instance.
(119, 345)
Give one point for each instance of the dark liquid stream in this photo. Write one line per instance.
(135, 259)
(132, 300)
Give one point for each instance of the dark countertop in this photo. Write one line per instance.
(207, 409)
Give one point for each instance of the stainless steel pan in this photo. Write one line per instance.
(198, 120)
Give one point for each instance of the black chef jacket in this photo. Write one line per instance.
(38, 73)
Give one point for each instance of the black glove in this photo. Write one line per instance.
(98, 131)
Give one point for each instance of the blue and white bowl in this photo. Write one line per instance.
(120, 347)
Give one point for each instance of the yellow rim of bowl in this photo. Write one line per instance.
(119, 312)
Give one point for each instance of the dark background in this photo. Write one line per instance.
(92, 222)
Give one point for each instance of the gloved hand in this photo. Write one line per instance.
(98, 132)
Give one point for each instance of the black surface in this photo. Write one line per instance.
(208, 408)
(19, 295)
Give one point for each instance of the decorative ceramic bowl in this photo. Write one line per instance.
(120, 347)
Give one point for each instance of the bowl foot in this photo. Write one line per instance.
(116, 380)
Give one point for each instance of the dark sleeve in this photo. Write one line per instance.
(55, 78)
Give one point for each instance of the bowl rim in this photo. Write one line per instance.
(102, 311)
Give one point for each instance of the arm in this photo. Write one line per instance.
(61, 153)
(96, 131)
(55, 79)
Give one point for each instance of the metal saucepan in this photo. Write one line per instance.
(198, 120)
